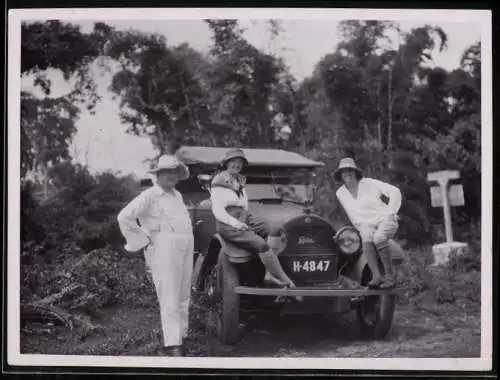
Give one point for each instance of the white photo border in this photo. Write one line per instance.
(14, 356)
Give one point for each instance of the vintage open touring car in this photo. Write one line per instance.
(326, 264)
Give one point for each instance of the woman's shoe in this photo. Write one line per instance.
(292, 285)
(376, 283)
(272, 281)
(388, 284)
(350, 283)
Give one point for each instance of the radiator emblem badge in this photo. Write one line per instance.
(305, 240)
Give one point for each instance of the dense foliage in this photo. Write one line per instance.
(382, 103)
(370, 98)
(48, 124)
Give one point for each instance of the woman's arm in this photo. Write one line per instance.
(135, 237)
(392, 192)
(219, 202)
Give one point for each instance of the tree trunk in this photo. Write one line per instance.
(160, 139)
(338, 134)
(298, 124)
(45, 185)
(389, 121)
(170, 143)
(379, 135)
(192, 117)
(368, 135)
(44, 170)
(379, 123)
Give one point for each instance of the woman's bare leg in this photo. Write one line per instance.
(273, 266)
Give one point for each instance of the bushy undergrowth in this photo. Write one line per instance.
(90, 281)
(77, 224)
(458, 283)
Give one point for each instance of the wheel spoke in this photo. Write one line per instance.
(369, 309)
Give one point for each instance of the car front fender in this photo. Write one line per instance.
(205, 261)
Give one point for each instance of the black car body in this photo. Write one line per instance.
(326, 264)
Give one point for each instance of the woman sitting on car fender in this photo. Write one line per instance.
(376, 220)
(233, 220)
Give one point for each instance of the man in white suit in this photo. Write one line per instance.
(165, 230)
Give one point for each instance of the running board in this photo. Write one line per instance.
(315, 292)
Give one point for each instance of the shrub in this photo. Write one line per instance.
(85, 209)
(31, 228)
(114, 276)
(457, 283)
(80, 217)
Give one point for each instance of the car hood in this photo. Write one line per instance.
(275, 215)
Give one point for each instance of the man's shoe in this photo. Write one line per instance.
(173, 351)
(177, 351)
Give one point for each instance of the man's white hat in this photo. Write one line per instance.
(169, 162)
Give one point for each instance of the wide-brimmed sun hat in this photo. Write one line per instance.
(347, 163)
(168, 162)
(232, 154)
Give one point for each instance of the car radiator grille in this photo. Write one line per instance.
(312, 249)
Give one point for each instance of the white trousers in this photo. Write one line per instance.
(170, 260)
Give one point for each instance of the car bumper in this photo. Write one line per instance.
(315, 292)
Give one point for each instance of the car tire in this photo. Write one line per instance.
(375, 314)
(229, 313)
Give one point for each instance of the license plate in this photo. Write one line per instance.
(311, 265)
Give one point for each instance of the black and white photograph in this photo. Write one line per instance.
(298, 188)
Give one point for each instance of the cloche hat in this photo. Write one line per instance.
(232, 154)
(347, 163)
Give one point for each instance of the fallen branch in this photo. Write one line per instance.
(54, 298)
(84, 321)
(35, 313)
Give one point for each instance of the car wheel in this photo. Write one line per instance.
(375, 314)
(224, 308)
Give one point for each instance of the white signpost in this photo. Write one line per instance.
(446, 196)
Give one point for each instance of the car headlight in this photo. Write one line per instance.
(348, 240)
(278, 243)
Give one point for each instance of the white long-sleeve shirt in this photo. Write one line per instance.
(222, 195)
(221, 198)
(368, 209)
(157, 211)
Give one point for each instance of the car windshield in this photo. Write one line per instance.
(294, 188)
(286, 192)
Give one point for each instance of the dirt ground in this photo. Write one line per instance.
(416, 332)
